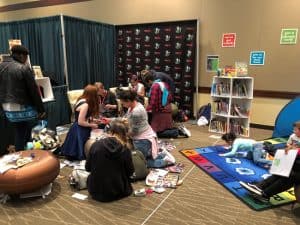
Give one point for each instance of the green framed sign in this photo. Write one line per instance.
(289, 36)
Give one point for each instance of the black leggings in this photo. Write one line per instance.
(276, 184)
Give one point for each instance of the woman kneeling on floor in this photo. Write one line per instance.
(143, 136)
(110, 164)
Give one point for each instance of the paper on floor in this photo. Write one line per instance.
(79, 196)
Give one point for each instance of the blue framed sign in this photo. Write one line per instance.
(257, 58)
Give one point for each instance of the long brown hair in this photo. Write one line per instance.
(91, 97)
(119, 130)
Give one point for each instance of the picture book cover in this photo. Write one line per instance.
(241, 68)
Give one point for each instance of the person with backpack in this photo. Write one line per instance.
(159, 106)
(159, 76)
(110, 165)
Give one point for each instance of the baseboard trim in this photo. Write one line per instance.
(261, 126)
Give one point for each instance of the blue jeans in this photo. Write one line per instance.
(258, 157)
(145, 146)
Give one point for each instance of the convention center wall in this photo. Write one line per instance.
(257, 25)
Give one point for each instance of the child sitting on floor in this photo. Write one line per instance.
(248, 148)
(275, 184)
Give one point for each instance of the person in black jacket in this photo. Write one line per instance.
(18, 91)
(110, 164)
(108, 105)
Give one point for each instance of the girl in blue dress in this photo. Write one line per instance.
(85, 108)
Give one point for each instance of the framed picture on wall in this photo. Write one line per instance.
(212, 63)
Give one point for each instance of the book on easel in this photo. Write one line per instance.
(230, 71)
(241, 69)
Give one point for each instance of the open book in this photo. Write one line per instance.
(283, 163)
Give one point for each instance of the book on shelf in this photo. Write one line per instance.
(220, 106)
(220, 88)
(237, 110)
(239, 89)
(218, 125)
(236, 127)
(244, 90)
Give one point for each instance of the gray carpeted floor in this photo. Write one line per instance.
(200, 200)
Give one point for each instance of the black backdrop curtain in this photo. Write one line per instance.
(90, 52)
(166, 47)
(43, 39)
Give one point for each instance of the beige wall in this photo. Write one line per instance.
(258, 24)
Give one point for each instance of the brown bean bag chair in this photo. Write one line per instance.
(41, 171)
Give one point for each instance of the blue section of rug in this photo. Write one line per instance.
(229, 171)
(240, 169)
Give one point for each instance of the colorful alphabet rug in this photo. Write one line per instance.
(229, 171)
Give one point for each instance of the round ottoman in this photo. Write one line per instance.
(41, 171)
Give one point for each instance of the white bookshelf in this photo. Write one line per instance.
(231, 99)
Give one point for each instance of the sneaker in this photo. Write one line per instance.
(184, 131)
(261, 198)
(255, 187)
(181, 132)
(251, 188)
(168, 157)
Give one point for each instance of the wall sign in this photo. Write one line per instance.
(228, 40)
(289, 36)
(257, 58)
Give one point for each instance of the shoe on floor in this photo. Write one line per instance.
(260, 198)
(252, 188)
(184, 131)
(168, 157)
(255, 187)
